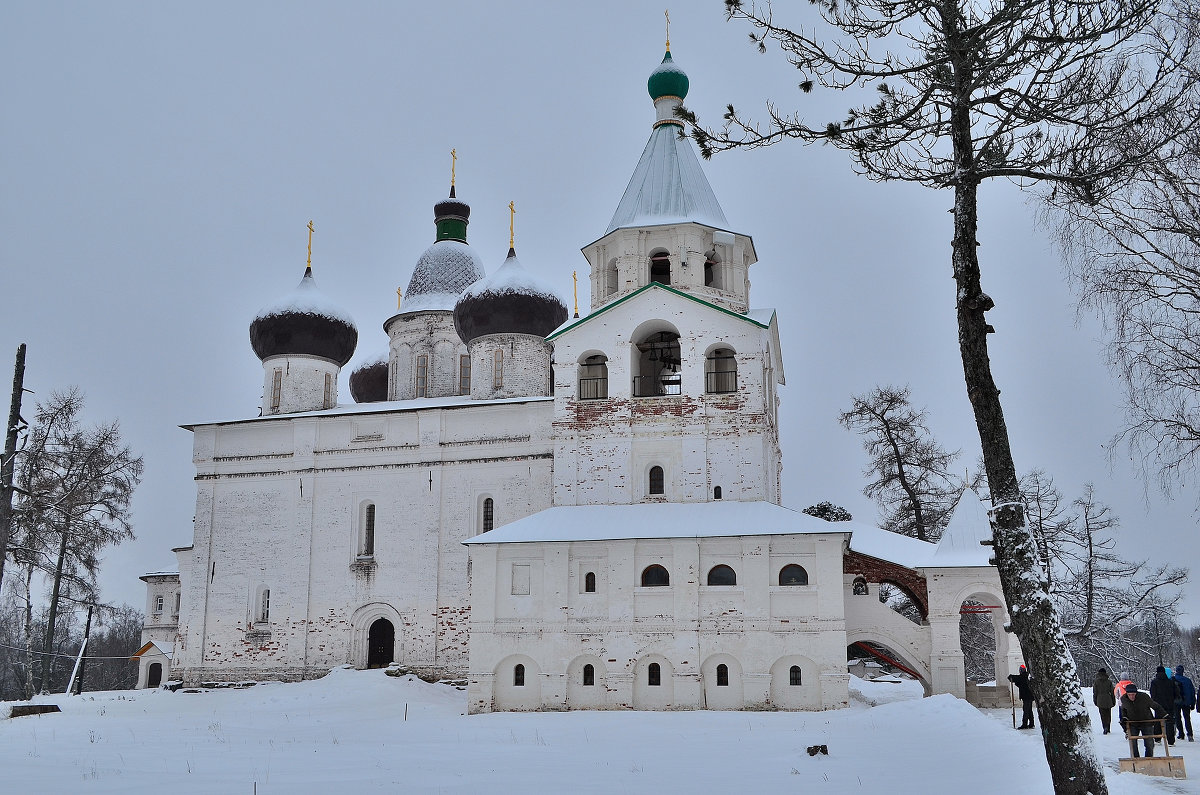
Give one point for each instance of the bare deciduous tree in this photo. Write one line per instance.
(909, 471)
(76, 485)
(972, 90)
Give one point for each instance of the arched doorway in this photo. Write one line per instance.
(381, 643)
(154, 675)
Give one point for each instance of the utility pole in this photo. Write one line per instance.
(87, 633)
(7, 464)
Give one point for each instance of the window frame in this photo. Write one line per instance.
(519, 675)
(498, 368)
(422, 375)
(722, 675)
(366, 543)
(720, 371)
(654, 675)
(804, 571)
(795, 676)
(721, 566)
(589, 582)
(464, 374)
(487, 515)
(276, 389)
(656, 567)
(656, 481)
(595, 375)
(589, 675)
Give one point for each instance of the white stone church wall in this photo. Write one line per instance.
(291, 523)
(302, 384)
(604, 448)
(530, 607)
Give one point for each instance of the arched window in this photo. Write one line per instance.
(792, 574)
(593, 378)
(589, 582)
(722, 675)
(488, 515)
(712, 274)
(655, 576)
(720, 371)
(519, 676)
(660, 267)
(589, 675)
(422, 375)
(860, 586)
(722, 575)
(657, 365)
(716, 492)
(367, 548)
(794, 675)
(654, 675)
(656, 480)
(610, 277)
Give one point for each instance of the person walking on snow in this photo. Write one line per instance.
(1164, 691)
(1138, 711)
(1103, 698)
(1187, 701)
(1025, 693)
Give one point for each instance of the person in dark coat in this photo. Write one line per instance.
(1025, 693)
(1165, 690)
(1104, 698)
(1138, 711)
(1187, 701)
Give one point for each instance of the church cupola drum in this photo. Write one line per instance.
(504, 319)
(426, 358)
(303, 341)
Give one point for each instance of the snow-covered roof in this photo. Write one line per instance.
(755, 317)
(512, 277)
(959, 546)
(379, 407)
(668, 186)
(155, 647)
(443, 271)
(716, 519)
(885, 545)
(164, 573)
(307, 299)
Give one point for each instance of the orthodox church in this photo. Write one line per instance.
(569, 513)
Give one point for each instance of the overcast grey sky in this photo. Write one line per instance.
(160, 161)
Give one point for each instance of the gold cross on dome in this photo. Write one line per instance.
(667, 14)
(512, 214)
(453, 163)
(310, 233)
(399, 297)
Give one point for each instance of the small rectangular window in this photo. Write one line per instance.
(498, 369)
(276, 389)
(158, 603)
(464, 375)
(520, 579)
(328, 391)
(368, 545)
(422, 375)
(177, 604)
(264, 606)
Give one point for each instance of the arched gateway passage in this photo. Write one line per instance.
(381, 643)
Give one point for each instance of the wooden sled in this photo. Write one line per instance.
(1165, 765)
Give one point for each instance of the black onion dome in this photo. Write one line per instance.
(304, 323)
(452, 208)
(510, 301)
(369, 381)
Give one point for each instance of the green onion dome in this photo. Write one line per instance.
(667, 80)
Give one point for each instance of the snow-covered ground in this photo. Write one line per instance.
(347, 733)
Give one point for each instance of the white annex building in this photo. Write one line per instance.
(578, 513)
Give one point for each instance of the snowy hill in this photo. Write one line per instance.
(348, 731)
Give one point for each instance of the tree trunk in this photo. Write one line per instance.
(1066, 730)
(28, 580)
(8, 464)
(44, 685)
